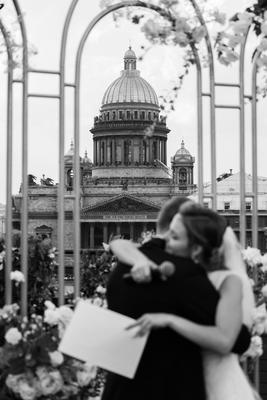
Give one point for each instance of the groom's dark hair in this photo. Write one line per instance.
(168, 211)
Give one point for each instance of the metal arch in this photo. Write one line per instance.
(9, 146)
(77, 123)
(242, 166)
(212, 108)
(61, 185)
(24, 209)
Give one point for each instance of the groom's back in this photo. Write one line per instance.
(171, 366)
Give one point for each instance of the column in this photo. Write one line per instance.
(150, 151)
(113, 152)
(92, 235)
(122, 152)
(164, 146)
(158, 149)
(131, 230)
(162, 151)
(95, 158)
(105, 232)
(118, 229)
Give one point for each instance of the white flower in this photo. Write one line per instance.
(97, 301)
(240, 26)
(51, 255)
(219, 17)
(262, 61)
(255, 348)
(264, 28)
(48, 304)
(100, 289)
(56, 358)
(235, 40)
(27, 390)
(199, 33)
(85, 374)
(13, 336)
(252, 282)
(65, 314)
(51, 317)
(263, 45)
(264, 262)
(17, 276)
(181, 39)
(181, 25)
(50, 382)
(252, 256)
(245, 16)
(12, 382)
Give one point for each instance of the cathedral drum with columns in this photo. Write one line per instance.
(124, 187)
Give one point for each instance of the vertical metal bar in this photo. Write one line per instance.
(255, 185)
(24, 208)
(61, 184)
(242, 145)
(212, 107)
(9, 141)
(199, 127)
(254, 153)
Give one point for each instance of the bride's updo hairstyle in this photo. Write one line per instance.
(205, 228)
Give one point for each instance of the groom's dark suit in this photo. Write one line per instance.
(171, 366)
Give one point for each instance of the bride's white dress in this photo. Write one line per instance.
(224, 378)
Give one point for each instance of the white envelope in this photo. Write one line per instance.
(98, 336)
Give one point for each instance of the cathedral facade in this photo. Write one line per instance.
(127, 182)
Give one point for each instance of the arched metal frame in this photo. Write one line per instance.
(76, 86)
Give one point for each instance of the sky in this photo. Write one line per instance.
(102, 62)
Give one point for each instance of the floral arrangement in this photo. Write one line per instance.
(257, 272)
(31, 367)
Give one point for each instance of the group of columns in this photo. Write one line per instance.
(125, 151)
(94, 233)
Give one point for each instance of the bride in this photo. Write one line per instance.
(224, 377)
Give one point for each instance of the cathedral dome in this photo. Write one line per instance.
(182, 154)
(130, 87)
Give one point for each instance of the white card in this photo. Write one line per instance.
(98, 336)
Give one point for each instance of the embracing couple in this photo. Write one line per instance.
(198, 312)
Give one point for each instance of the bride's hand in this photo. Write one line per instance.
(148, 322)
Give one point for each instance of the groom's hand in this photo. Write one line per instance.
(147, 322)
(141, 271)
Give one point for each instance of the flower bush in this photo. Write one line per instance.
(31, 367)
(257, 272)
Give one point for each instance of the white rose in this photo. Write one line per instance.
(262, 61)
(181, 25)
(85, 374)
(252, 256)
(56, 358)
(48, 304)
(17, 276)
(97, 301)
(13, 336)
(27, 390)
(51, 317)
(263, 45)
(65, 314)
(50, 383)
(12, 382)
(235, 40)
(100, 289)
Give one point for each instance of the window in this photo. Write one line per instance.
(248, 205)
(136, 115)
(227, 205)
(206, 204)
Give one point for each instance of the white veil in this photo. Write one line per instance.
(233, 260)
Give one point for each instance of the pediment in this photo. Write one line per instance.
(121, 205)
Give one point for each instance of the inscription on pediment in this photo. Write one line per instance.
(124, 205)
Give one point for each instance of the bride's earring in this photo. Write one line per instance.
(195, 254)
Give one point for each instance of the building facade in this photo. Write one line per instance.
(124, 187)
(128, 181)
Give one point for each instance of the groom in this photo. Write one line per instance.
(171, 366)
